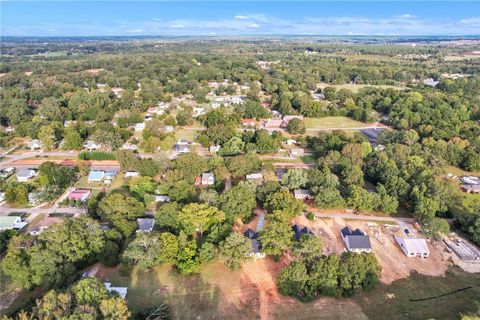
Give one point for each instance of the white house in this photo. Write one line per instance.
(413, 247)
(214, 149)
(208, 179)
(356, 240)
(117, 92)
(91, 145)
(161, 198)
(297, 152)
(168, 129)
(122, 291)
(11, 222)
(24, 175)
(35, 144)
(140, 126)
(198, 111)
(130, 174)
(302, 194)
(129, 146)
(254, 176)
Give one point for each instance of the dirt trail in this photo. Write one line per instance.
(262, 273)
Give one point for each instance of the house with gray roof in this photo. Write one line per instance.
(356, 240)
(145, 224)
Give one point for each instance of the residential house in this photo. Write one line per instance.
(208, 179)
(198, 111)
(161, 198)
(67, 123)
(297, 152)
(470, 188)
(7, 172)
(117, 92)
(2, 196)
(168, 129)
(236, 100)
(299, 231)
(255, 253)
(318, 96)
(182, 148)
(216, 105)
(122, 291)
(279, 172)
(470, 180)
(287, 119)
(96, 176)
(24, 175)
(145, 224)
(35, 144)
(273, 123)
(129, 146)
(140, 126)
(356, 240)
(130, 174)
(214, 149)
(254, 176)
(430, 82)
(413, 247)
(11, 222)
(249, 122)
(291, 142)
(91, 145)
(33, 198)
(79, 195)
(302, 194)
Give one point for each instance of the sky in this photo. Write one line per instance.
(224, 18)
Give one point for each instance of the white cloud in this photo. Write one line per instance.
(405, 16)
(240, 17)
(135, 30)
(253, 26)
(178, 26)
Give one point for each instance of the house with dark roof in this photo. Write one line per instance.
(299, 231)
(256, 246)
(356, 240)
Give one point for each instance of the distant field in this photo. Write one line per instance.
(187, 134)
(333, 122)
(355, 87)
(378, 305)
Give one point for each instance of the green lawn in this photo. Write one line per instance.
(83, 183)
(187, 134)
(332, 122)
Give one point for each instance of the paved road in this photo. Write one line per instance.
(36, 211)
(362, 217)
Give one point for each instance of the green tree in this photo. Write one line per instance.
(294, 178)
(276, 238)
(296, 126)
(292, 279)
(169, 248)
(114, 309)
(89, 291)
(122, 211)
(235, 249)
(238, 202)
(197, 218)
(284, 201)
(167, 216)
(144, 250)
(47, 137)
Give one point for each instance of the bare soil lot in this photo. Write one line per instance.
(395, 265)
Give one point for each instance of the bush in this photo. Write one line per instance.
(96, 155)
(310, 216)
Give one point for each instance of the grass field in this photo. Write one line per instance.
(332, 122)
(187, 134)
(218, 293)
(356, 87)
(377, 305)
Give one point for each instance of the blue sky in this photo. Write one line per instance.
(100, 18)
